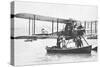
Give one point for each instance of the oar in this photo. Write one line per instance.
(85, 40)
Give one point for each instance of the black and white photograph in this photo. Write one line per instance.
(50, 33)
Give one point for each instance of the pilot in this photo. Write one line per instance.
(68, 29)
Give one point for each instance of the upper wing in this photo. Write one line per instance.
(42, 18)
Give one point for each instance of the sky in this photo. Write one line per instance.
(65, 11)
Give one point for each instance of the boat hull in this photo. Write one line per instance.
(86, 49)
(95, 49)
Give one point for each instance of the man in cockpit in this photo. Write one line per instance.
(68, 30)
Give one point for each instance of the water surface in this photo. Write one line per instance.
(29, 53)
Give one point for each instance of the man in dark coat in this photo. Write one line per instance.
(78, 42)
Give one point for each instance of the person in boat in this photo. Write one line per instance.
(68, 31)
(74, 31)
(63, 42)
(78, 42)
(78, 32)
(58, 42)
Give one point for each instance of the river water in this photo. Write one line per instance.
(30, 53)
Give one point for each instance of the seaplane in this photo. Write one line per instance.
(70, 32)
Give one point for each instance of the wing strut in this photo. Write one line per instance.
(91, 28)
(95, 27)
(33, 26)
(57, 26)
(85, 24)
(52, 26)
(29, 27)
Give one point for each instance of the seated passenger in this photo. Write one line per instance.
(78, 42)
(63, 42)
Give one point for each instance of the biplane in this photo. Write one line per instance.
(68, 33)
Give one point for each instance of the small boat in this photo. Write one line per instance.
(86, 49)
